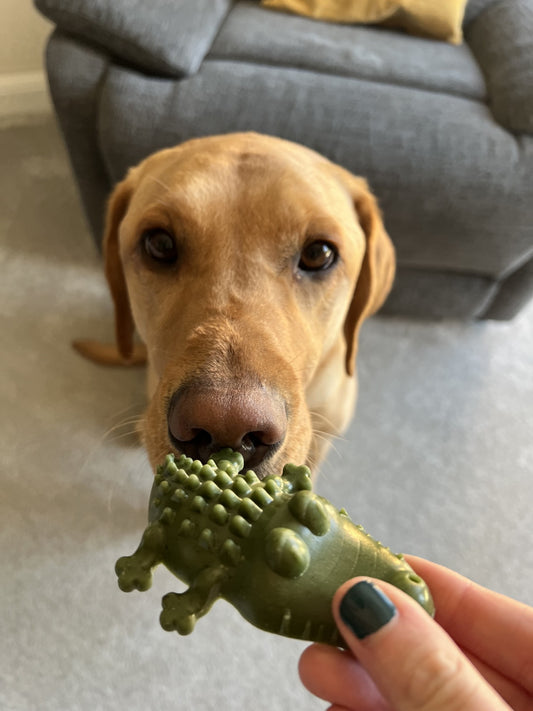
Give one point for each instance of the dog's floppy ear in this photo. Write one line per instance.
(124, 324)
(377, 271)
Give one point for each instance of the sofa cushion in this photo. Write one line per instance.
(441, 20)
(167, 37)
(254, 34)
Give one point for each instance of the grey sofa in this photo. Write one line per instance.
(443, 133)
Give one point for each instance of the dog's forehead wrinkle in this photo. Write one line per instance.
(209, 175)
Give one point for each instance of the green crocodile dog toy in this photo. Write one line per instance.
(272, 548)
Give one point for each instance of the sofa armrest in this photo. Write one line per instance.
(501, 39)
(166, 37)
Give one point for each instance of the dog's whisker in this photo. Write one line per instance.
(329, 437)
(122, 429)
(128, 435)
(124, 410)
(325, 421)
(327, 441)
(134, 420)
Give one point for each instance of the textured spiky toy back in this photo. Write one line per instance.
(271, 547)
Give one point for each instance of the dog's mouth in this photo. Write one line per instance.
(257, 454)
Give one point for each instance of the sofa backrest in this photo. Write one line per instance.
(474, 8)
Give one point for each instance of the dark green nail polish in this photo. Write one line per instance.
(365, 609)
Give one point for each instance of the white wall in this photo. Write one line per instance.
(23, 33)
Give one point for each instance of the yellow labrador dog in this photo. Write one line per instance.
(246, 265)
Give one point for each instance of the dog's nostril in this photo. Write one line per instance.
(253, 446)
(201, 438)
(252, 440)
(200, 446)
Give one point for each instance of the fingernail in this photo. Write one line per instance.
(365, 609)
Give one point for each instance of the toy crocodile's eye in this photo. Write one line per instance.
(160, 246)
(317, 256)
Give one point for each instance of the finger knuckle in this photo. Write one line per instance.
(437, 682)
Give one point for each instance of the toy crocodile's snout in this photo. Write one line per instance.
(415, 587)
(271, 547)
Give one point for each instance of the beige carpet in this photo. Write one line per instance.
(439, 462)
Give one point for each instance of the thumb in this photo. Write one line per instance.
(413, 662)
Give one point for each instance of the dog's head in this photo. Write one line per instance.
(247, 265)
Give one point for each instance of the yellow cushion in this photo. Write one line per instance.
(440, 19)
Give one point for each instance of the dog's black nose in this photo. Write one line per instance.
(252, 421)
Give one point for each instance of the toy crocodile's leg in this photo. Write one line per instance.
(181, 610)
(298, 478)
(135, 571)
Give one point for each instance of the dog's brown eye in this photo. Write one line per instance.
(317, 256)
(160, 246)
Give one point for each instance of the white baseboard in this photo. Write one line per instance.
(23, 96)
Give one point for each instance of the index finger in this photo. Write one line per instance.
(495, 628)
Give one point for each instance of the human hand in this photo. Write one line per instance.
(476, 655)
